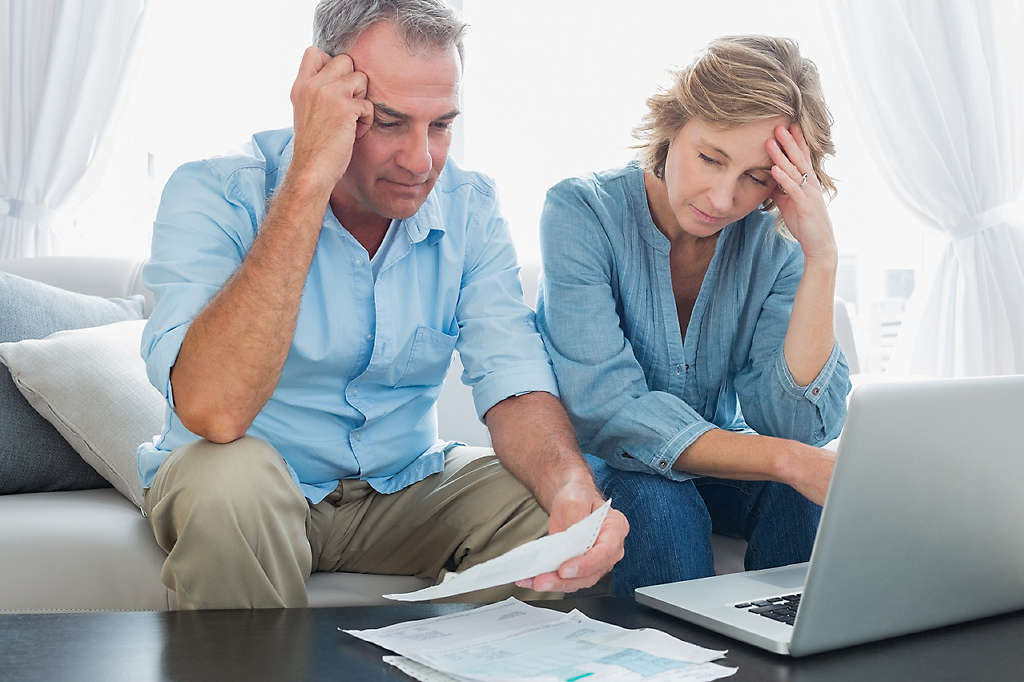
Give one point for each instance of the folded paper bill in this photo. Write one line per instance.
(526, 561)
(514, 642)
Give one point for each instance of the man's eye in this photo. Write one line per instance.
(707, 159)
(442, 125)
(386, 124)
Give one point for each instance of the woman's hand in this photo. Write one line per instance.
(801, 201)
(808, 470)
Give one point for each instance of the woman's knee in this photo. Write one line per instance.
(654, 500)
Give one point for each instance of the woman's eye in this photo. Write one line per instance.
(758, 181)
(707, 159)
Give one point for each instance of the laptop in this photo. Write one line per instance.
(923, 526)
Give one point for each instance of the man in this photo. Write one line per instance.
(309, 296)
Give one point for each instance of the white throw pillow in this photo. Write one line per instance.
(91, 385)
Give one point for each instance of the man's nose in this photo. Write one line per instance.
(415, 154)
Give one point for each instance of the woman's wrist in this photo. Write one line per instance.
(787, 460)
(823, 260)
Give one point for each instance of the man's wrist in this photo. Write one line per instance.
(308, 184)
(575, 482)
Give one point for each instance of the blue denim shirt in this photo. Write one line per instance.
(637, 390)
(374, 339)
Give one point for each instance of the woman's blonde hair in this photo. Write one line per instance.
(738, 80)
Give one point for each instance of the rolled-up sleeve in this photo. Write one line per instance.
(773, 404)
(603, 387)
(200, 237)
(501, 351)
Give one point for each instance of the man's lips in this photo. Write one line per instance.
(407, 185)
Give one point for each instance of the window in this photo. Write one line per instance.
(551, 89)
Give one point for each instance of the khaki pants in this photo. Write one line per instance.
(239, 534)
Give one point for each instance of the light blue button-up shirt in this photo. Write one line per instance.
(637, 391)
(374, 338)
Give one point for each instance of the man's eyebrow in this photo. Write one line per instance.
(381, 108)
(721, 151)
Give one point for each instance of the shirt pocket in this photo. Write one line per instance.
(428, 358)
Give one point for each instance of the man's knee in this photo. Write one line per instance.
(243, 475)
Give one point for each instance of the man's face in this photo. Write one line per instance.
(416, 98)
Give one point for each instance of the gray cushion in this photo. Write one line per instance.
(33, 456)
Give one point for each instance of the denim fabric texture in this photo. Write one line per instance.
(670, 524)
(374, 338)
(638, 390)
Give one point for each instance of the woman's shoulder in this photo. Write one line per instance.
(608, 197)
(608, 187)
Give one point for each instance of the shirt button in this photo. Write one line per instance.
(679, 369)
(355, 391)
(687, 366)
(815, 391)
(662, 464)
(369, 337)
(355, 261)
(355, 436)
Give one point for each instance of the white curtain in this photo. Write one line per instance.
(941, 89)
(65, 61)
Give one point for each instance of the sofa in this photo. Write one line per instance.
(93, 550)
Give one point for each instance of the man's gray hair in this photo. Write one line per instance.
(422, 24)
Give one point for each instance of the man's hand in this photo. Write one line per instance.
(330, 113)
(571, 504)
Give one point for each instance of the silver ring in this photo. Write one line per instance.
(804, 181)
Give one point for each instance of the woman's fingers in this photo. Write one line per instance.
(798, 134)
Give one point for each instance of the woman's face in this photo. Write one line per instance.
(715, 176)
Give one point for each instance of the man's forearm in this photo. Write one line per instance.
(533, 438)
(231, 357)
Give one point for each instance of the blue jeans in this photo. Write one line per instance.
(670, 524)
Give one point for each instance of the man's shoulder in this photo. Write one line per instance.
(456, 180)
(256, 161)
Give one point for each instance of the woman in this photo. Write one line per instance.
(687, 306)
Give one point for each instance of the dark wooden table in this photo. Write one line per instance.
(305, 644)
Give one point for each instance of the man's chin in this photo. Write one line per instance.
(401, 207)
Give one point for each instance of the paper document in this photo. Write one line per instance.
(526, 561)
(512, 641)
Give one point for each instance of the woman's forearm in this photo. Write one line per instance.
(811, 333)
(752, 457)
(742, 456)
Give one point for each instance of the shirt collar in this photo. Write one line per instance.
(427, 223)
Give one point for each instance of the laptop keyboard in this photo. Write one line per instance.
(782, 609)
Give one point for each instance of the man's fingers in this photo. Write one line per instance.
(585, 570)
(313, 60)
(365, 120)
(337, 68)
(605, 553)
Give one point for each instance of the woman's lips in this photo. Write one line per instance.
(705, 217)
